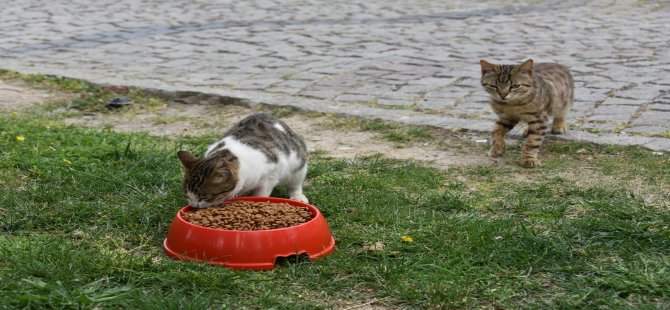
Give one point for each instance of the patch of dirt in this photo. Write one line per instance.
(446, 149)
(15, 95)
(197, 119)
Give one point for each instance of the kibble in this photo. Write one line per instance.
(250, 215)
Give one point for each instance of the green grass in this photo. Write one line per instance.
(50, 81)
(93, 97)
(392, 132)
(84, 213)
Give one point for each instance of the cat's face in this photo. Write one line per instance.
(207, 183)
(508, 82)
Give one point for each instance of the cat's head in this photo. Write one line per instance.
(508, 82)
(208, 182)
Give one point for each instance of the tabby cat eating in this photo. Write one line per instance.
(528, 93)
(251, 159)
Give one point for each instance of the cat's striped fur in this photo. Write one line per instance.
(529, 93)
(255, 155)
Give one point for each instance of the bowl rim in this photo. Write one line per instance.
(314, 210)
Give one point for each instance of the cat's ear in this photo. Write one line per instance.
(224, 169)
(526, 66)
(187, 159)
(222, 164)
(487, 67)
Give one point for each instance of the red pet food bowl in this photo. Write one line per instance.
(248, 249)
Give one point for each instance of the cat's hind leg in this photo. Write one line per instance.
(536, 132)
(558, 126)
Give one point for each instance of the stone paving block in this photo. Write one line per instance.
(607, 85)
(442, 96)
(600, 126)
(371, 89)
(623, 101)
(299, 84)
(284, 90)
(649, 130)
(455, 92)
(589, 94)
(320, 94)
(664, 81)
(657, 144)
(436, 104)
(655, 118)
(619, 118)
(432, 82)
(478, 97)
(308, 76)
(659, 106)
(615, 110)
(582, 106)
(582, 69)
(471, 108)
(355, 98)
(623, 140)
(400, 95)
(401, 77)
(645, 93)
(407, 88)
(394, 102)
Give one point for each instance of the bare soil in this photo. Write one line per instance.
(17, 96)
(324, 133)
(332, 135)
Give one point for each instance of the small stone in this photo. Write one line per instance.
(118, 102)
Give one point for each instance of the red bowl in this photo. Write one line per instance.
(248, 249)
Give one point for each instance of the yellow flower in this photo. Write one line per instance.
(14, 113)
(407, 239)
(67, 162)
(20, 138)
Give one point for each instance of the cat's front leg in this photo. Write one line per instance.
(294, 185)
(298, 197)
(500, 130)
(264, 190)
(536, 130)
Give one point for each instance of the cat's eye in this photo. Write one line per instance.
(491, 85)
(515, 86)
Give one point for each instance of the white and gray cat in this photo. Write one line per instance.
(253, 157)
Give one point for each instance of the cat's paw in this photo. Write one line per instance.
(558, 127)
(558, 130)
(496, 152)
(530, 162)
(299, 197)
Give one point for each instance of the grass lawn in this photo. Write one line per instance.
(83, 213)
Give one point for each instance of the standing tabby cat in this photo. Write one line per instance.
(255, 155)
(529, 94)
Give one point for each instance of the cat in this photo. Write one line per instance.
(528, 93)
(251, 159)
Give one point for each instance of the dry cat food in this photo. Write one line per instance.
(249, 215)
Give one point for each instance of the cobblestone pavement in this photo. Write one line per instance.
(410, 61)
